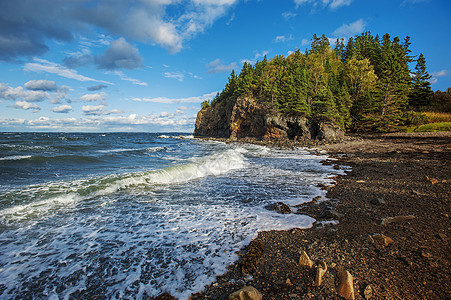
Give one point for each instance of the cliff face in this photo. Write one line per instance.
(243, 117)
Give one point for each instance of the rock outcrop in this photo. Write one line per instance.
(244, 117)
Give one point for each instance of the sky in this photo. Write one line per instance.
(146, 65)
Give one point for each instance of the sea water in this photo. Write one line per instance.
(132, 215)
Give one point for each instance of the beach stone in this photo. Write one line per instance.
(346, 285)
(320, 271)
(381, 240)
(330, 213)
(377, 201)
(368, 292)
(246, 293)
(396, 219)
(304, 260)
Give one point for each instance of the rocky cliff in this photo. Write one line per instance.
(243, 117)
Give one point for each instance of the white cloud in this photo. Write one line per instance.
(27, 105)
(93, 109)
(63, 109)
(10, 93)
(288, 15)
(94, 97)
(283, 38)
(197, 99)
(331, 4)
(43, 65)
(437, 75)
(41, 85)
(178, 76)
(256, 57)
(217, 66)
(348, 30)
(124, 77)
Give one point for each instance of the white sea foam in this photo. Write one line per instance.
(15, 157)
(144, 233)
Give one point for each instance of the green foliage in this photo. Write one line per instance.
(365, 85)
(205, 104)
(434, 127)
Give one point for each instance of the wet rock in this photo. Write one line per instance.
(396, 219)
(368, 293)
(381, 240)
(254, 252)
(322, 268)
(304, 260)
(377, 201)
(330, 213)
(246, 293)
(281, 208)
(346, 285)
(165, 296)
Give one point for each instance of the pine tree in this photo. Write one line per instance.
(421, 93)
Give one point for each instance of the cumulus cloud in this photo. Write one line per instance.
(217, 66)
(120, 55)
(42, 65)
(94, 97)
(62, 109)
(41, 85)
(10, 93)
(178, 100)
(93, 109)
(25, 29)
(347, 30)
(27, 105)
(78, 59)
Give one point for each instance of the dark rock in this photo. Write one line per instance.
(330, 213)
(377, 201)
(280, 207)
(254, 252)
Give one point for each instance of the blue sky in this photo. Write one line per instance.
(146, 65)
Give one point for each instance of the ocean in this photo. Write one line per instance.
(132, 215)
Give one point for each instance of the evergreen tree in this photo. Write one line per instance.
(421, 93)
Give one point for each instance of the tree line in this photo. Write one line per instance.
(365, 84)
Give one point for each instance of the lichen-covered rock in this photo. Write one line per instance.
(246, 293)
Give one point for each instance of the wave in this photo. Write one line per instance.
(163, 136)
(149, 149)
(39, 159)
(16, 157)
(45, 198)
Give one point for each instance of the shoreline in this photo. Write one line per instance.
(392, 175)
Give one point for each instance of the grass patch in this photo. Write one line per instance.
(437, 117)
(433, 127)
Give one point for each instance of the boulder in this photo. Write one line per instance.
(346, 285)
(246, 293)
(320, 271)
(304, 260)
(368, 292)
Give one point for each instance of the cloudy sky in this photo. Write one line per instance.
(146, 65)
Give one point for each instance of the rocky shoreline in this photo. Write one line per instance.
(393, 211)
